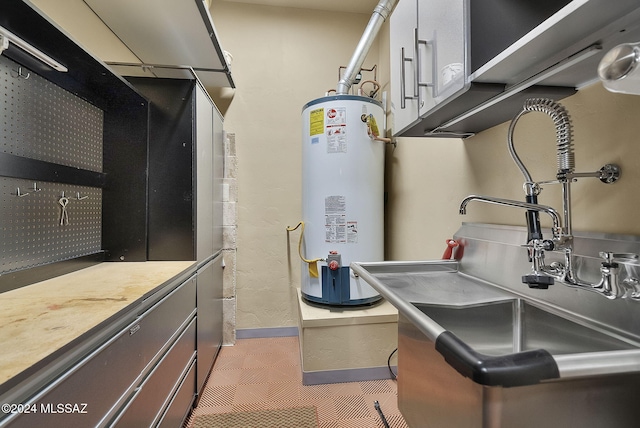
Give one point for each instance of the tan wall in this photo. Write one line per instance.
(425, 181)
(427, 178)
(282, 59)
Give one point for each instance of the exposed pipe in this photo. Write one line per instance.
(380, 13)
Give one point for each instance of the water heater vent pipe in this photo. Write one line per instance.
(380, 14)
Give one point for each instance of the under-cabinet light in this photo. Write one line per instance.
(7, 37)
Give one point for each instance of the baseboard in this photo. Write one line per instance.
(253, 333)
(347, 375)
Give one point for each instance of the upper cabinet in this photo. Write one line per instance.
(422, 43)
(460, 66)
(165, 33)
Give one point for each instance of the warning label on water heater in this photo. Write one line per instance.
(337, 229)
(336, 130)
(335, 219)
(316, 122)
(352, 232)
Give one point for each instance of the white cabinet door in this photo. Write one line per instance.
(441, 51)
(403, 26)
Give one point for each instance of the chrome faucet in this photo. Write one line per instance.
(557, 226)
(541, 275)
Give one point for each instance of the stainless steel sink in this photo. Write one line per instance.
(473, 354)
(507, 327)
(434, 392)
(492, 321)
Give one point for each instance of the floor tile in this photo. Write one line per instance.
(265, 373)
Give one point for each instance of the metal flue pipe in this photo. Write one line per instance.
(380, 14)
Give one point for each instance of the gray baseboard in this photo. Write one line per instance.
(347, 375)
(253, 333)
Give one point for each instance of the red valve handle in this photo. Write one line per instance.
(448, 252)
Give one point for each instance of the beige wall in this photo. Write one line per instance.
(284, 58)
(428, 178)
(604, 132)
(425, 181)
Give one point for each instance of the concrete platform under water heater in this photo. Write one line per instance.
(343, 344)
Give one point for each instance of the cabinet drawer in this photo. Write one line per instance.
(181, 403)
(161, 322)
(155, 393)
(103, 379)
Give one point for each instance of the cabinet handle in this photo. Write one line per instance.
(434, 69)
(403, 89)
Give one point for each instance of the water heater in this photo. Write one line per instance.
(342, 197)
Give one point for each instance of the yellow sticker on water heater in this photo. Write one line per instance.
(316, 121)
(373, 126)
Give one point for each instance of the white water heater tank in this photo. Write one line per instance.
(342, 197)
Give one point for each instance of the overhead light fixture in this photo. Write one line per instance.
(7, 37)
(619, 69)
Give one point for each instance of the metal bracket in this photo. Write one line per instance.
(609, 173)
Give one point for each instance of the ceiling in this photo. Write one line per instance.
(356, 6)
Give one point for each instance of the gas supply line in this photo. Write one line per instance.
(313, 263)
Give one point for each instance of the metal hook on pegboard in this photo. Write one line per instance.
(20, 194)
(20, 73)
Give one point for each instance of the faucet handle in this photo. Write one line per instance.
(540, 244)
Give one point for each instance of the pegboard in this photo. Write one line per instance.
(33, 230)
(42, 121)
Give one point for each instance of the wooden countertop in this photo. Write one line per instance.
(41, 318)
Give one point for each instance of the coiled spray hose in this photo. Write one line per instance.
(564, 154)
(564, 134)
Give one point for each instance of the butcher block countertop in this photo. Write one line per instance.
(41, 318)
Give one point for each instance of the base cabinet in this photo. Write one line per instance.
(138, 377)
(155, 392)
(180, 405)
(209, 318)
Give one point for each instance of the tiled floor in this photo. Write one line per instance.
(265, 374)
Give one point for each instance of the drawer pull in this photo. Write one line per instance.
(133, 330)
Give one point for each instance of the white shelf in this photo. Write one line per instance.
(168, 32)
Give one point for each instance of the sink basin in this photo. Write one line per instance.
(470, 321)
(475, 355)
(507, 327)
(478, 349)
